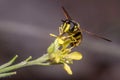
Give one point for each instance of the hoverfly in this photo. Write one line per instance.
(73, 31)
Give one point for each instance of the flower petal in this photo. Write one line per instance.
(75, 56)
(66, 43)
(60, 41)
(53, 35)
(68, 69)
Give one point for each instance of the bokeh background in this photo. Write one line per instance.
(25, 26)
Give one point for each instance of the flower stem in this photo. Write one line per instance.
(5, 71)
(7, 74)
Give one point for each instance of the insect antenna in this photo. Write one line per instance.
(66, 13)
(96, 35)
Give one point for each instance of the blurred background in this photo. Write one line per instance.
(25, 26)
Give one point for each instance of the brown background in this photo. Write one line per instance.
(25, 26)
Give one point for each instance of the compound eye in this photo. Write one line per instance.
(72, 26)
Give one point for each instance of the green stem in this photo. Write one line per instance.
(39, 61)
(8, 63)
(7, 74)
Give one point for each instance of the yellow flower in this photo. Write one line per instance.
(60, 53)
(65, 58)
(70, 57)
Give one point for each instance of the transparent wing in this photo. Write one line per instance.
(96, 35)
